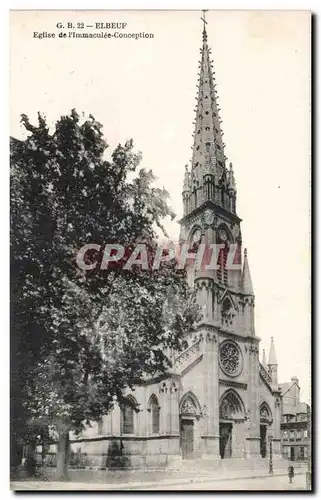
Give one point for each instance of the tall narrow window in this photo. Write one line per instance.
(222, 272)
(127, 417)
(100, 427)
(222, 197)
(154, 409)
(207, 186)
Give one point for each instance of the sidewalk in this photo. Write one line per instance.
(140, 485)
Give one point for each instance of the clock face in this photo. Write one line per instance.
(208, 216)
(222, 235)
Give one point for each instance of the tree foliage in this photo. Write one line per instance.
(80, 337)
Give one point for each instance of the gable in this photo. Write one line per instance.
(226, 295)
(291, 395)
(265, 389)
(265, 378)
(193, 378)
(189, 357)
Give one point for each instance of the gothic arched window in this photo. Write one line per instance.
(127, 416)
(222, 195)
(227, 312)
(231, 406)
(195, 197)
(100, 427)
(189, 405)
(154, 409)
(265, 412)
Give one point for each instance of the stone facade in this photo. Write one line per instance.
(295, 423)
(219, 401)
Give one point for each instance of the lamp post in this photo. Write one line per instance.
(271, 458)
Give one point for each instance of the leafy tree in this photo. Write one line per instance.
(79, 337)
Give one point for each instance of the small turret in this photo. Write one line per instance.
(186, 185)
(231, 179)
(186, 190)
(264, 360)
(247, 291)
(272, 356)
(272, 364)
(247, 287)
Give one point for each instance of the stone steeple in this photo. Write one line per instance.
(208, 148)
(272, 355)
(209, 179)
(247, 287)
(273, 364)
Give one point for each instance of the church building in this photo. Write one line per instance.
(219, 401)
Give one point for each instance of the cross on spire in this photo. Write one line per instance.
(204, 27)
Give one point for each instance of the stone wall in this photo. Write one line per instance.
(127, 452)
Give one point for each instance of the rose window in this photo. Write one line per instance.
(230, 358)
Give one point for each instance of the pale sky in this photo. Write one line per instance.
(145, 89)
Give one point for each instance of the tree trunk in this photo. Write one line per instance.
(16, 451)
(63, 456)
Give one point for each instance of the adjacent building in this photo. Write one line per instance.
(295, 435)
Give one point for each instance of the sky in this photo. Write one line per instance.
(145, 89)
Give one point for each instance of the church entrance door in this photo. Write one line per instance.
(226, 440)
(187, 438)
(263, 440)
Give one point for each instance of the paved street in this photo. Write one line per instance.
(262, 483)
(250, 483)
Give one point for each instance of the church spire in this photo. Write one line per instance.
(273, 364)
(208, 148)
(210, 180)
(247, 286)
(264, 359)
(272, 355)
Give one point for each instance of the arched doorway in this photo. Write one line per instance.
(265, 421)
(189, 412)
(231, 409)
